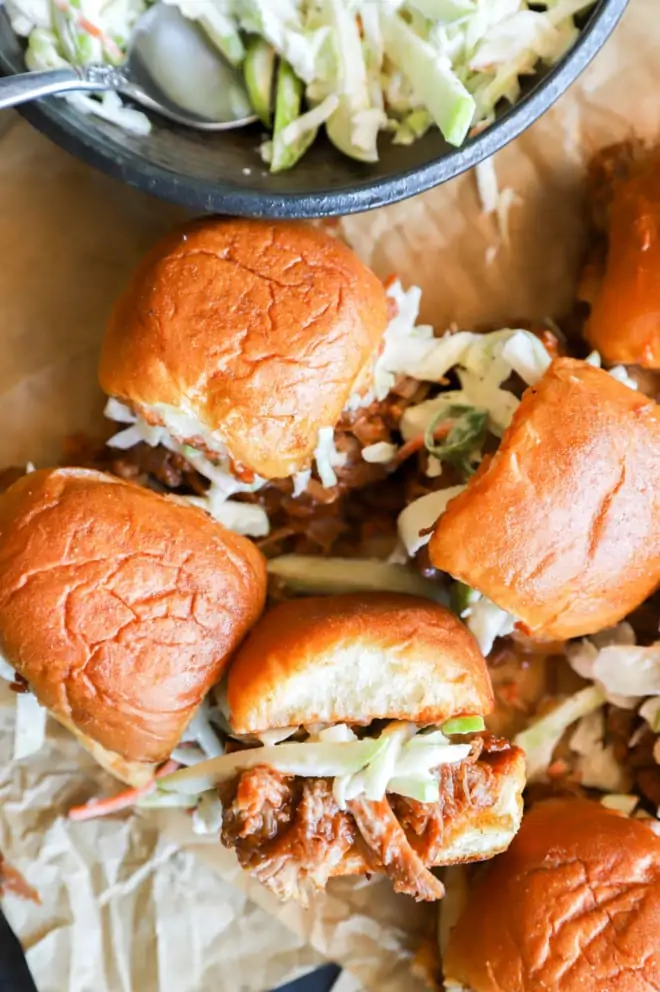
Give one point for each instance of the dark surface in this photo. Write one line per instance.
(320, 981)
(15, 977)
(14, 974)
(206, 172)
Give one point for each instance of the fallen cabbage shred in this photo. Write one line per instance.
(624, 671)
(422, 514)
(31, 718)
(622, 802)
(30, 730)
(487, 621)
(207, 815)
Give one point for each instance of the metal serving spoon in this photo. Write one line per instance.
(171, 67)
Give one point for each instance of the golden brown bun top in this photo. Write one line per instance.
(562, 527)
(259, 330)
(624, 324)
(354, 659)
(573, 905)
(119, 606)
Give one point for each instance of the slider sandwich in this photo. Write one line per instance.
(251, 349)
(621, 281)
(560, 528)
(357, 742)
(573, 905)
(119, 609)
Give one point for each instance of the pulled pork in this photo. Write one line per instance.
(355, 517)
(290, 833)
(622, 727)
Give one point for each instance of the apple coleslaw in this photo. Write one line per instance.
(356, 68)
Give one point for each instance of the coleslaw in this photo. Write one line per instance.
(354, 67)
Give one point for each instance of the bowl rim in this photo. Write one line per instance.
(94, 148)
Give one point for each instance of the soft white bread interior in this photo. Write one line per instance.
(354, 659)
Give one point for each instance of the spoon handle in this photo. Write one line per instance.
(33, 85)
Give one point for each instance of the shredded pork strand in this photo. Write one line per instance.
(386, 838)
(290, 833)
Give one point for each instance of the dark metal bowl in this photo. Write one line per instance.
(223, 173)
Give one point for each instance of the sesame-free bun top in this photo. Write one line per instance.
(624, 324)
(258, 332)
(573, 905)
(562, 526)
(353, 659)
(120, 606)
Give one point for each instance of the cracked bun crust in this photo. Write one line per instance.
(120, 606)
(257, 332)
(562, 526)
(353, 659)
(573, 905)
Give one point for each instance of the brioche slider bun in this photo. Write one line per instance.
(624, 323)
(353, 659)
(573, 905)
(244, 338)
(561, 527)
(120, 607)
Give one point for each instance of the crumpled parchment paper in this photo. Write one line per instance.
(138, 902)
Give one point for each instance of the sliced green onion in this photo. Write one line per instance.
(464, 725)
(465, 439)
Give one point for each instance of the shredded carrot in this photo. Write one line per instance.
(90, 28)
(416, 444)
(123, 800)
(84, 24)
